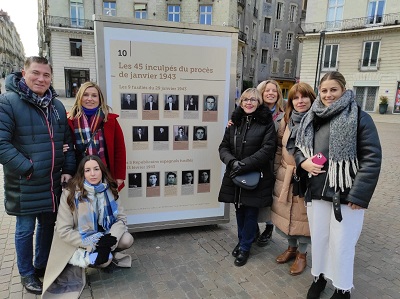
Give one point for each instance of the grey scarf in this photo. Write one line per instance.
(343, 115)
(294, 123)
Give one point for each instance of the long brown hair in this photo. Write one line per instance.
(305, 90)
(76, 183)
(77, 111)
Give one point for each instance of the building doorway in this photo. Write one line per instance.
(74, 78)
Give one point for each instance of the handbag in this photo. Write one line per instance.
(248, 181)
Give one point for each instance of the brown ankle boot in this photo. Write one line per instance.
(287, 255)
(299, 264)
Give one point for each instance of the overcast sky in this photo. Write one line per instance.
(24, 14)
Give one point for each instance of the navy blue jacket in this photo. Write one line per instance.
(29, 138)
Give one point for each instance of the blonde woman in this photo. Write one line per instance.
(272, 97)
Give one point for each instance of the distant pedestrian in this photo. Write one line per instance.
(33, 129)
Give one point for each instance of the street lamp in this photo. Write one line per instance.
(319, 59)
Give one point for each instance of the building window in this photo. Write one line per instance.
(268, 1)
(287, 67)
(264, 56)
(140, 11)
(274, 66)
(77, 15)
(110, 8)
(335, 13)
(75, 46)
(254, 36)
(292, 13)
(239, 22)
(370, 55)
(279, 7)
(375, 11)
(366, 97)
(289, 41)
(267, 25)
(174, 13)
(205, 14)
(277, 37)
(330, 57)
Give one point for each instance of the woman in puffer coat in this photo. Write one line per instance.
(340, 189)
(248, 145)
(288, 211)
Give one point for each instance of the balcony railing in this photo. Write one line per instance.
(351, 24)
(242, 3)
(69, 22)
(242, 36)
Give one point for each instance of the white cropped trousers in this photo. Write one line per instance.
(333, 243)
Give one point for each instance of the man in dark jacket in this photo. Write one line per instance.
(33, 129)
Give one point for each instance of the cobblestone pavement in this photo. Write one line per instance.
(197, 263)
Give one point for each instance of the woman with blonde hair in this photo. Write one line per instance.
(272, 97)
(96, 131)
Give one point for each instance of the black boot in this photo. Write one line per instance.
(32, 284)
(316, 288)
(235, 251)
(264, 238)
(339, 294)
(242, 258)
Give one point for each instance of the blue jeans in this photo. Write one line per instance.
(24, 230)
(246, 218)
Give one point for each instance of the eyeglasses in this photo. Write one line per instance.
(250, 100)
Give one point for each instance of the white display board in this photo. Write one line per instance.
(171, 84)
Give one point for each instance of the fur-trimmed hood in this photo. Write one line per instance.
(261, 115)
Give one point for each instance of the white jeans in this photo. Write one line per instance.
(333, 243)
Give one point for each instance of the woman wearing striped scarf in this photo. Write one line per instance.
(96, 131)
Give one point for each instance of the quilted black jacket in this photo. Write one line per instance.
(255, 146)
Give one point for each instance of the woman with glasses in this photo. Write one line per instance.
(248, 145)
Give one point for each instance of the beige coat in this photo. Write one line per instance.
(65, 242)
(288, 212)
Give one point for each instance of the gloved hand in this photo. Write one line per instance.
(107, 241)
(236, 169)
(103, 255)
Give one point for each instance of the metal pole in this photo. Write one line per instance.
(319, 59)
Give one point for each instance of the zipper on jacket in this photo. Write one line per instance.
(326, 180)
(51, 133)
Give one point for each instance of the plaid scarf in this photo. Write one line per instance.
(100, 208)
(343, 116)
(45, 102)
(89, 135)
